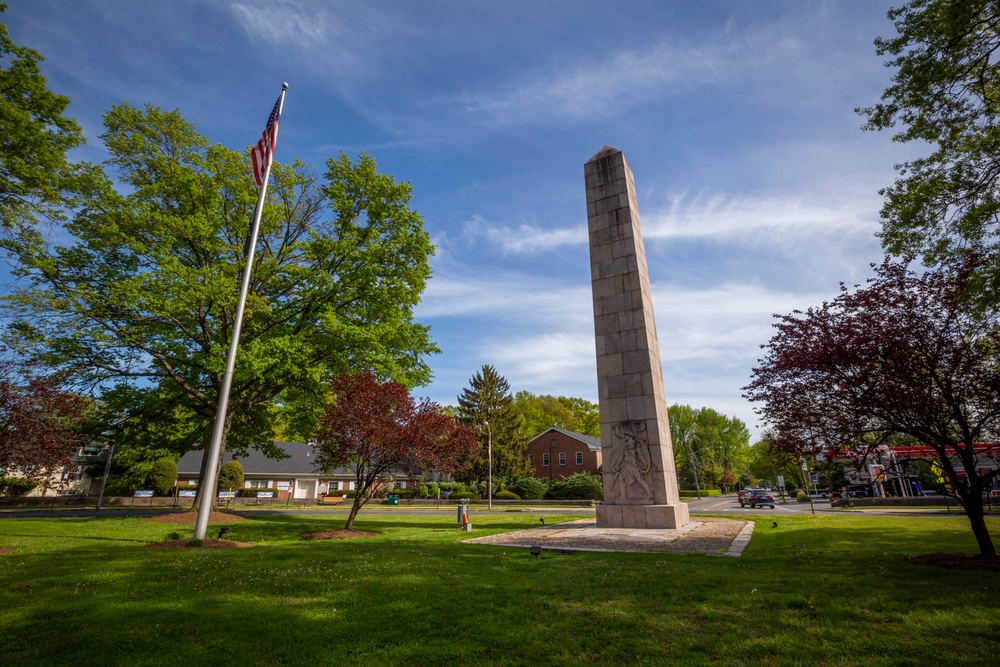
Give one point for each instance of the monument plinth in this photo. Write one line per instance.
(640, 483)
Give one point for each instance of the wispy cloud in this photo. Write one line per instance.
(346, 41)
(511, 297)
(729, 218)
(602, 88)
(285, 24)
(523, 238)
(705, 216)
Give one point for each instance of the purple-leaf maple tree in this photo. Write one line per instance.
(905, 355)
(376, 430)
(38, 420)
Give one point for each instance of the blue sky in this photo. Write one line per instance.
(757, 189)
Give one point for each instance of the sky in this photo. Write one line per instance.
(757, 188)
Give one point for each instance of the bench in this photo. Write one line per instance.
(332, 500)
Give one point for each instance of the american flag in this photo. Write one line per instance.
(264, 149)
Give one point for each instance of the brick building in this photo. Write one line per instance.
(556, 453)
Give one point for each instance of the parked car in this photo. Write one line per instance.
(761, 498)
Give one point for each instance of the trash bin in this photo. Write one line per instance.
(393, 498)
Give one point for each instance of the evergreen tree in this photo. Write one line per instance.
(488, 400)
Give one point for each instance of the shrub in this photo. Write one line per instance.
(252, 493)
(802, 496)
(529, 488)
(432, 489)
(507, 495)
(16, 486)
(231, 476)
(196, 543)
(173, 536)
(405, 493)
(422, 491)
(692, 493)
(162, 477)
(579, 486)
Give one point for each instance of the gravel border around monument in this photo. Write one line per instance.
(710, 536)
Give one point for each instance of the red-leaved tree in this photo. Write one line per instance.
(906, 354)
(376, 429)
(38, 420)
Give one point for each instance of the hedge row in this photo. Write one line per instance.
(691, 493)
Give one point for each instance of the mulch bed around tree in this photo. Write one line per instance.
(185, 545)
(192, 517)
(341, 534)
(957, 561)
(6, 550)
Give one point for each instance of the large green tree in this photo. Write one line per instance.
(710, 449)
(945, 94)
(488, 400)
(540, 413)
(35, 176)
(144, 286)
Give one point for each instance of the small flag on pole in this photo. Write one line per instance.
(264, 149)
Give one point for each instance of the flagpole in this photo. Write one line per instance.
(207, 485)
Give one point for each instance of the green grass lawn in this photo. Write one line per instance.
(817, 590)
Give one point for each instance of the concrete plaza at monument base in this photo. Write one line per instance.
(706, 535)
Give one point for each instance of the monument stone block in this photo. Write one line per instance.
(640, 483)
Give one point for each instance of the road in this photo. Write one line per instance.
(729, 505)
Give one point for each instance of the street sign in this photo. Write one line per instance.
(781, 481)
(814, 478)
(805, 465)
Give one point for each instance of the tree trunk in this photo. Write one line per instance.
(355, 508)
(979, 529)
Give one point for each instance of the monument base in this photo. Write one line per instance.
(643, 516)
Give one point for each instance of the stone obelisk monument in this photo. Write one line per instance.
(640, 484)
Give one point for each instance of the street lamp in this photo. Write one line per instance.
(489, 459)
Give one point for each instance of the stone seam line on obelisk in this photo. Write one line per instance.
(640, 483)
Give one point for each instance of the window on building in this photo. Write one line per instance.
(334, 486)
(545, 459)
(257, 484)
(354, 486)
(531, 459)
(399, 485)
(552, 443)
(562, 458)
(579, 458)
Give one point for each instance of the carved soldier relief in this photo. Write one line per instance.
(630, 461)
